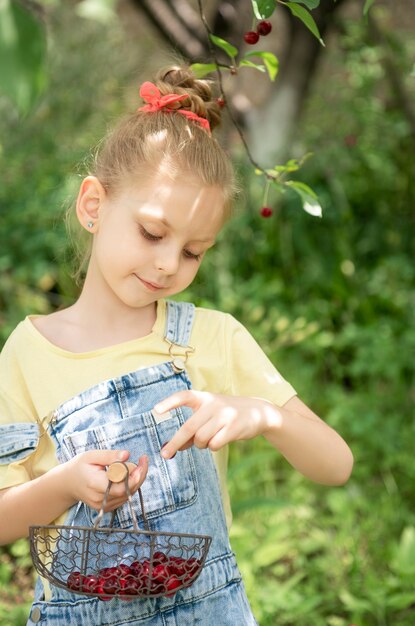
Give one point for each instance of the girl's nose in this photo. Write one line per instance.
(167, 260)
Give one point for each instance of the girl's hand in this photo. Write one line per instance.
(217, 420)
(86, 478)
(310, 445)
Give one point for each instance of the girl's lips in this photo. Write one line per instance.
(151, 286)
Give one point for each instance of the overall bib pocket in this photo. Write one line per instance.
(170, 485)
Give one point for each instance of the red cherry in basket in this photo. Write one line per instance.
(110, 584)
(171, 585)
(160, 573)
(124, 570)
(155, 587)
(107, 572)
(130, 587)
(141, 571)
(89, 583)
(177, 566)
(100, 589)
(136, 568)
(145, 568)
(122, 586)
(160, 557)
(74, 581)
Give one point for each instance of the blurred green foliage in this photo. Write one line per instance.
(22, 55)
(332, 302)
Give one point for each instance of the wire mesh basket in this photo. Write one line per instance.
(112, 562)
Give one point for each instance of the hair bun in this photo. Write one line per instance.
(181, 80)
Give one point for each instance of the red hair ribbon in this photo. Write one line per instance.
(156, 102)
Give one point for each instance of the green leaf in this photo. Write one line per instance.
(309, 199)
(296, 184)
(22, 55)
(306, 18)
(202, 69)
(353, 603)
(263, 8)
(270, 60)
(227, 47)
(245, 63)
(401, 600)
(292, 165)
(367, 6)
(404, 557)
(310, 4)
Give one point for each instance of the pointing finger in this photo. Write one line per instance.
(180, 398)
(184, 437)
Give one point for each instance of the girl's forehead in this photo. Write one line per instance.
(187, 192)
(182, 201)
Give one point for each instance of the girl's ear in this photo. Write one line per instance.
(90, 197)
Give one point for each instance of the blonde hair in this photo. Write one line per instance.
(145, 145)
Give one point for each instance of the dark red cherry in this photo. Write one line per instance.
(264, 28)
(74, 581)
(266, 211)
(89, 583)
(160, 573)
(159, 557)
(100, 589)
(171, 585)
(124, 570)
(177, 566)
(110, 584)
(251, 37)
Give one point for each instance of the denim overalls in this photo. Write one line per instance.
(180, 495)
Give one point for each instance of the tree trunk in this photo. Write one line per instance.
(271, 125)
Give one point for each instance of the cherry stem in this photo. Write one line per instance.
(220, 81)
(266, 191)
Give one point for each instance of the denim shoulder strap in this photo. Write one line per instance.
(179, 322)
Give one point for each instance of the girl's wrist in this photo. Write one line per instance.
(66, 482)
(272, 419)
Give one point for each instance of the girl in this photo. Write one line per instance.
(126, 373)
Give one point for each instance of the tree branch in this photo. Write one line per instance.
(180, 32)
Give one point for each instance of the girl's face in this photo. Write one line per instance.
(150, 239)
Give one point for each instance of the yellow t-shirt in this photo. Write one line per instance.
(36, 377)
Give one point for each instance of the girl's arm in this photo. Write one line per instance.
(44, 499)
(308, 443)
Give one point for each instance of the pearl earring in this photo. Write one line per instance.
(90, 224)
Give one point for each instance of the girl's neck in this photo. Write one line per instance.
(97, 320)
(108, 322)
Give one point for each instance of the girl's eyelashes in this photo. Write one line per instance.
(151, 237)
(191, 255)
(147, 235)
